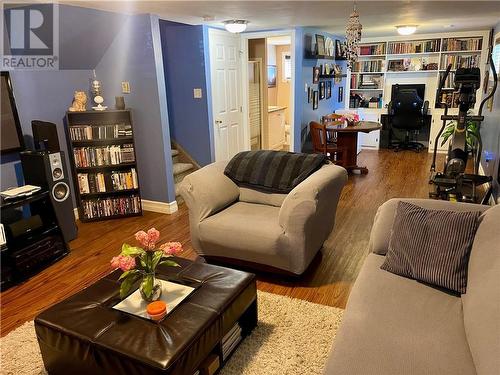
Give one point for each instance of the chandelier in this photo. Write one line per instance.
(353, 37)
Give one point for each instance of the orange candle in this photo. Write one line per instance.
(157, 310)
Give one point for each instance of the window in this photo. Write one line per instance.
(287, 66)
(496, 55)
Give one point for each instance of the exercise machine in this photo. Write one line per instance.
(453, 183)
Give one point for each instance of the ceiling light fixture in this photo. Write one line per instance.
(352, 38)
(406, 29)
(235, 26)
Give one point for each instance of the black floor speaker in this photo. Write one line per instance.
(48, 170)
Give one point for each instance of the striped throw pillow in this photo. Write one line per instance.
(431, 246)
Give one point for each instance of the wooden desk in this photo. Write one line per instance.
(347, 138)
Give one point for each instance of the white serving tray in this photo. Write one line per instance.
(172, 293)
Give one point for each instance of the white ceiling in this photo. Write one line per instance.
(377, 17)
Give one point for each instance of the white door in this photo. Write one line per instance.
(225, 74)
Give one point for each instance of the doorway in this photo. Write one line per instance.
(268, 88)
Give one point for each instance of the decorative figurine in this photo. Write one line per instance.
(79, 102)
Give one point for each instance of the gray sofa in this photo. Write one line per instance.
(396, 326)
(280, 231)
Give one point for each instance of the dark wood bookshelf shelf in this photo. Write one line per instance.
(87, 220)
(108, 193)
(103, 142)
(110, 201)
(111, 166)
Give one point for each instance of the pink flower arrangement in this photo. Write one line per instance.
(123, 262)
(171, 248)
(141, 262)
(149, 239)
(350, 117)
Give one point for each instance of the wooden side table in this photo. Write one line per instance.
(347, 139)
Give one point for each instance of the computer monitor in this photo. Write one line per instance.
(419, 88)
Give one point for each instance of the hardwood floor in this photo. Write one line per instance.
(328, 281)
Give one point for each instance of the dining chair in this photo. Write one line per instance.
(321, 139)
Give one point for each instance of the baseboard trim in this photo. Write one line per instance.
(153, 206)
(160, 207)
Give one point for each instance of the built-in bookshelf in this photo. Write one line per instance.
(428, 57)
(102, 152)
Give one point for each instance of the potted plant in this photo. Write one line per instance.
(141, 262)
(472, 133)
(350, 118)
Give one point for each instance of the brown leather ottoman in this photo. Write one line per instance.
(84, 335)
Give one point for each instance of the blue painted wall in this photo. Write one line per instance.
(184, 67)
(490, 134)
(325, 106)
(119, 47)
(131, 57)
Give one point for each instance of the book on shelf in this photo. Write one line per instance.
(112, 206)
(461, 61)
(99, 132)
(372, 49)
(418, 46)
(231, 340)
(368, 66)
(105, 182)
(103, 156)
(463, 44)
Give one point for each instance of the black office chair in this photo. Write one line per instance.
(407, 112)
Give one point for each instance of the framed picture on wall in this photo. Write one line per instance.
(309, 94)
(315, 99)
(271, 76)
(322, 90)
(320, 44)
(316, 73)
(340, 50)
(328, 89)
(341, 94)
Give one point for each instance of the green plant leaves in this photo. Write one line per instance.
(131, 251)
(127, 282)
(156, 259)
(169, 263)
(147, 285)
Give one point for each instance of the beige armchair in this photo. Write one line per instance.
(280, 231)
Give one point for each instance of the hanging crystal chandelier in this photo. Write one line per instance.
(353, 37)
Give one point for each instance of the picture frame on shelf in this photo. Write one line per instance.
(271, 75)
(320, 44)
(340, 50)
(315, 99)
(340, 98)
(316, 73)
(328, 89)
(322, 90)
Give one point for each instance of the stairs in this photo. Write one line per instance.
(181, 167)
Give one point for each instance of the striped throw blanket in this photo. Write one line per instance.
(272, 171)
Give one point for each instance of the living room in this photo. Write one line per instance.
(145, 231)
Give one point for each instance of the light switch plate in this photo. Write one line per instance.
(197, 93)
(126, 87)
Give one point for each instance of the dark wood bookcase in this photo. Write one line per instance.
(101, 148)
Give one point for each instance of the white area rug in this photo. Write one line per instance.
(293, 337)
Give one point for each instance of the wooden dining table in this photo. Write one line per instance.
(347, 140)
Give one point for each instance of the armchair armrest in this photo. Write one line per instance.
(307, 214)
(384, 218)
(207, 191)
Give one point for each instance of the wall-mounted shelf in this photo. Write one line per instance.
(311, 56)
(410, 71)
(332, 75)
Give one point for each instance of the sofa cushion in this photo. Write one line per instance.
(431, 245)
(260, 197)
(246, 231)
(481, 303)
(384, 219)
(394, 325)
